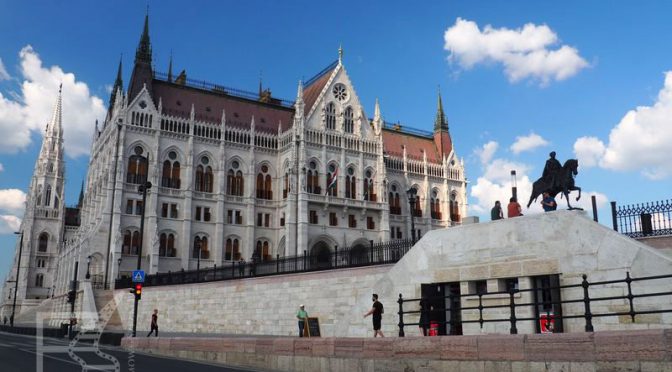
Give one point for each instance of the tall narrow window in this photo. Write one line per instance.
(235, 184)
(126, 247)
(367, 188)
(332, 180)
(350, 184)
(348, 120)
(204, 176)
(47, 196)
(43, 242)
(135, 243)
(393, 200)
(136, 172)
(264, 184)
(435, 206)
(330, 116)
(454, 208)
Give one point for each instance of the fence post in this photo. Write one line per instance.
(613, 216)
(401, 315)
(214, 272)
(233, 267)
(628, 280)
(480, 309)
(336, 256)
(277, 262)
(371, 244)
(304, 260)
(512, 309)
(593, 201)
(586, 301)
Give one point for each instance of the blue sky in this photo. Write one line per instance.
(543, 75)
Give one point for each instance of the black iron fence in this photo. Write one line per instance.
(640, 220)
(322, 258)
(506, 303)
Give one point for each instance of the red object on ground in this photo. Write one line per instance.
(433, 329)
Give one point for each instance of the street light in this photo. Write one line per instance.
(16, 285)
(142, 189)
(514, 184)
(88, 267)
(412, 195)
(119, 268)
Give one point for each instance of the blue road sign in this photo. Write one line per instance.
(138, 276)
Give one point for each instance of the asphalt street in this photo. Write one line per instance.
(20, 353)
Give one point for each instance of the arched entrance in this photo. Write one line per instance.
(359, 255)
(320, 256)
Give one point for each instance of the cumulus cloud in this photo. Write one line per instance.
(32, 110)
(495, 184)
(12, 201)
(528, 143)
(524, 52)
(9, 224)
(3, 72)
(640, 141)
(486, 152)
(2, 168)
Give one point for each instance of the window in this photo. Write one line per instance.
(352, 221)
(47, 197)
(173, 211)
(332, 180)
(138, 207)
(395, 206)
(333, 220)
(399, 234)
(435, 205)
(131, 242)
(206, 214)
(330, 116)
(282, 220)
(41, 262)
(350, 184)
(232, 251)
(367, 189)
(234, 177)
(129, 206)
(370, 224)
(200, 246)
(348, 121)
(43, 242)
(454, 208)
(202, 214)
(267, 220)
(170, 175)
(264, 184)
(204, 178)
(312, 218)
(39, 280)
(167, 245)
(164, 210)
(285, 189)
(479, 287)
(239, 218)
(417, 212)
(136, 172)
(198, 213)
(262, 251)
(312, 179)
(259, 218)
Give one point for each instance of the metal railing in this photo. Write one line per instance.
(640, 220)
(512, 293)
(357, 256)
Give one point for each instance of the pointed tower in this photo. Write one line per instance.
(142, 69)
(170, 68)
(42, 225)
(441, 134)
(118, 84)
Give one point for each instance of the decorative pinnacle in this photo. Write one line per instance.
(340, 53)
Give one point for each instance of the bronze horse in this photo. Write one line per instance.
(564, 183)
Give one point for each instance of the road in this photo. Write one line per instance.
(20, 353)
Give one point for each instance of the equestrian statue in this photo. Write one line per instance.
(557, 179)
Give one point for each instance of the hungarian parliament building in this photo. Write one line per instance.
(234, 175)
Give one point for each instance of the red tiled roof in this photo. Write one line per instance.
(394, 143)
(208, 107)
(312, 92)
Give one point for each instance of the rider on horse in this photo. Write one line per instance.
(551, 170)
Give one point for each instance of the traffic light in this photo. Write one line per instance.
(138, 290)
(71, 297)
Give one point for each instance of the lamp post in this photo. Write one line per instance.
(412, 194)
(142, 189)
(514, 184)
(118, 268)
(198, 260)
(16, 284)
(88, 267)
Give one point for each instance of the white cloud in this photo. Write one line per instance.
(9, 224)
(524, 52)
(601, 200)
(588, 151)
(486, 152)
(2, 167)
(32, 111)
(12, 201)
(528, 143)
(641, 141)
(3, 72)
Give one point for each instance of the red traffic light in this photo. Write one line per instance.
(138, 289)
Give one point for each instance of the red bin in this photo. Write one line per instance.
(433, 329)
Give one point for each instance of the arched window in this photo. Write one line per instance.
(348, 121)
(204, 175)
(135, 243)
(47, 196)
(417, 212)
(232, 251)
(136, 172)
(454, 208)
(264, 184)
(312, 179)
(435, 205)
(126, 247)
(285, 190)
(43, 242)
(393, 199)
(171, 172)
(350, 184)
(332, 180)
(39, 280)
(202, 244)
(367, 189)
(167, 245)
(199, 178)
(262, 251)
(234, 184)
(330, 116)
(50, 167)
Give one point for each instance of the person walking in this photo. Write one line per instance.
(241, 267)
(302, 316)
(155, 324)
(496, 212)
(377, 312)
(424, 317)
(514, 209)
(548, 202)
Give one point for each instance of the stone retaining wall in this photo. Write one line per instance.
(647, 350)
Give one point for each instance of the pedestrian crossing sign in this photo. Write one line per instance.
(138, 276)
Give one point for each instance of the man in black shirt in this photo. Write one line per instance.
(377, 311)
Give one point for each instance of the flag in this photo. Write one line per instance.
(332, 181)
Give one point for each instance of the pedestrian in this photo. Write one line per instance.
(4, 321)
(241, 267)
(253, 266)
(155, 324)
(548, 202)
(424, 317)
(377, 312)
(302, 316)
(496, 212)
(514, 209)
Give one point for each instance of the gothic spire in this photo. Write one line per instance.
(170, 68)
(144, 51)
(118, 84)
(81, 196)
(54, 127)
(440, 123)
